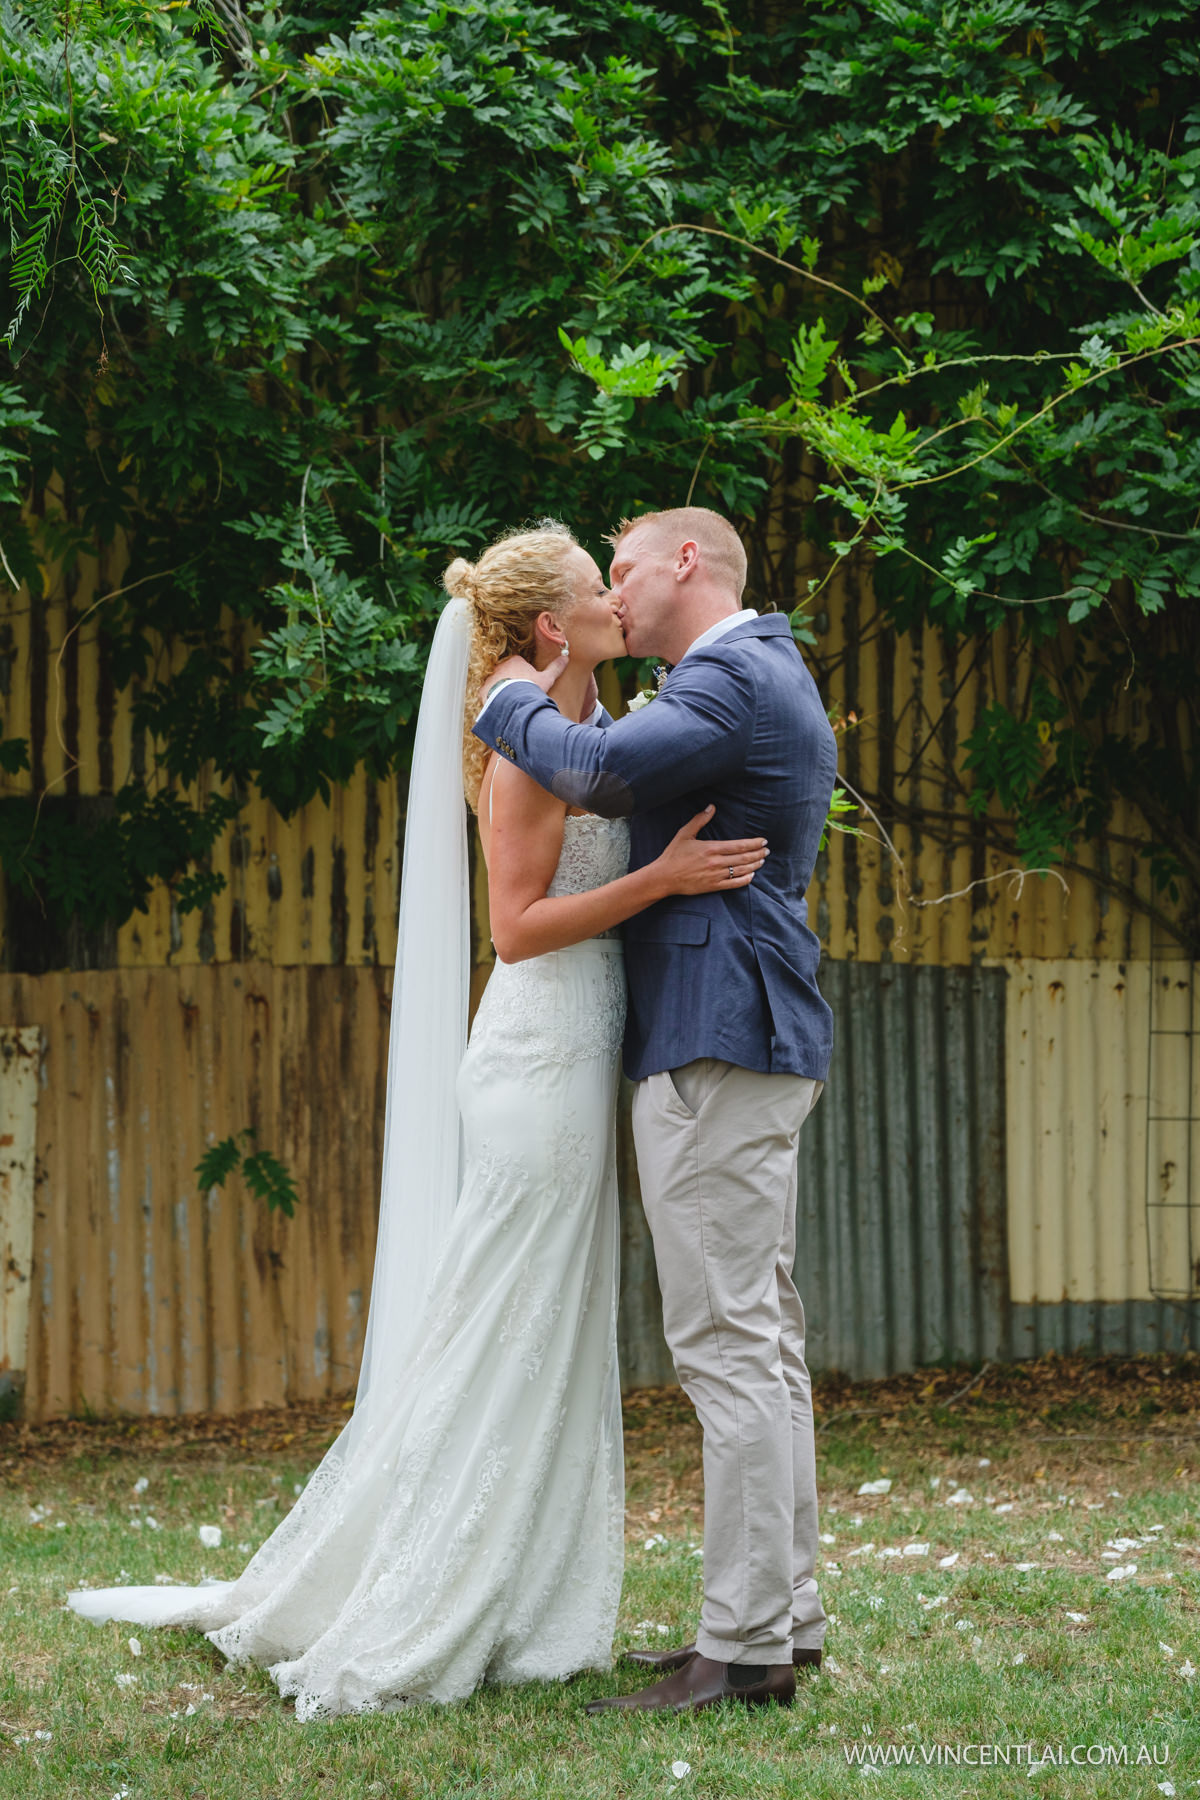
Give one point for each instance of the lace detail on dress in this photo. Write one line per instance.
(594, 852)
(570, 1004)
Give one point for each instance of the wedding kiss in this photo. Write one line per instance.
(467, 1525)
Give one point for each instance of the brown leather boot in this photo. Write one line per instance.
(664, 1661)
(702, 1683)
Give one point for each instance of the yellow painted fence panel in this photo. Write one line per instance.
(1098, 1133)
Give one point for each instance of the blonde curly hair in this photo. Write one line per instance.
(522, 574)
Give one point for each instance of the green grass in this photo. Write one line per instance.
(981, 1653)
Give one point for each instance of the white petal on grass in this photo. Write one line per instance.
(985, 1462)
(882, 1486)
(888, 1550)
(210, 1536)
(916, 1550)
(124, 1680)
(938, 1600)
(1167, 1649)
(964, 1624)
(830, 1667)
(1187, 1669)
(680, 1769)
(1166, 1787)
(135, 1648)
(152, 1523)
(862, 1550)
(827, 1537)
(875, 1602)
(1025, 1567)
(1122, 1573)
(960, 1497)
(856, 1519)
(948, 1562)
(141, 1484)
(935, 1481)
(1078, 1618)
(655, 1542)
(1124, 1543)
(977, 1643)
(1054, 1537)
(1006, 1506)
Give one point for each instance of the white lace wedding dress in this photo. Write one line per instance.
(477, 1535)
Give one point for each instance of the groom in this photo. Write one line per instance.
(728, 1043)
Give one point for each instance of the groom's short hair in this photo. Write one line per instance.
(719, 543)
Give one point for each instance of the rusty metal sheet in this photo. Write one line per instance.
(20, 1057)
(150, 1296)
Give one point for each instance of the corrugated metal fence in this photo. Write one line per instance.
(148, 1296)
(972, 1183)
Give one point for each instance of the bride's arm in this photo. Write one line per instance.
(523, 845)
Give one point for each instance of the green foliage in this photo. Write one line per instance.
(306, 301)
(267, 1178)
(101, 871)
(839, 806)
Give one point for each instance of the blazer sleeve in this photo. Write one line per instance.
(698, 729)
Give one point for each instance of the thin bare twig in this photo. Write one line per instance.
(158, 575)
(1019, 877)
(8, 571)
(964, 1391)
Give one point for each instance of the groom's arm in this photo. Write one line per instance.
(697, 730)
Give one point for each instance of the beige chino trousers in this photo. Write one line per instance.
(716, 1150)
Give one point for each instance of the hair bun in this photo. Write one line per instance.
(459, 579)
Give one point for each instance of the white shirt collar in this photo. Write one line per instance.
(719, 629)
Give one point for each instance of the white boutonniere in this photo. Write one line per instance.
(645, 695)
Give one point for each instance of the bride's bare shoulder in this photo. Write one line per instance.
(512, 800)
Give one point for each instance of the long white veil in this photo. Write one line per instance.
(421, 1149)
(421, 1152)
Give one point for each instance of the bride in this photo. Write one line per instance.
(467, 1523)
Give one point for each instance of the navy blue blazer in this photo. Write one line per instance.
(738, 723)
